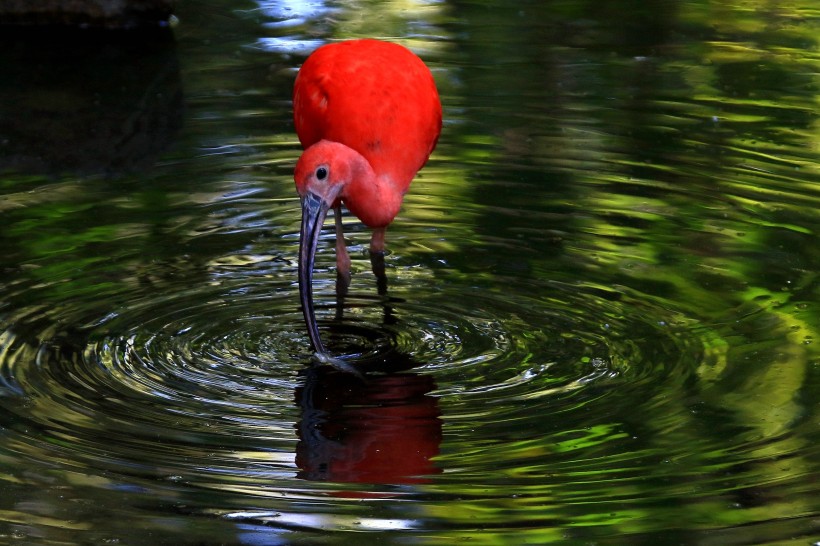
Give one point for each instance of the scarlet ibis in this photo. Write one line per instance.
(368, 114)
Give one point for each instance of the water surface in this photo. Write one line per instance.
(601, 315)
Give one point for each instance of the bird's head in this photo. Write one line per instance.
(322, 173)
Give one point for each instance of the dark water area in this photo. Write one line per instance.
(601, 318)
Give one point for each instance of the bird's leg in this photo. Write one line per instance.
(377, 259)
(377, 263)
(342, 265)
(342, 257)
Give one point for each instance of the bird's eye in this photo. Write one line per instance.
(321, 173)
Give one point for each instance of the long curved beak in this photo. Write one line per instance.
(314, 211)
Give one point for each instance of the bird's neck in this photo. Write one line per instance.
(374, 199)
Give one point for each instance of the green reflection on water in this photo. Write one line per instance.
(659, 159)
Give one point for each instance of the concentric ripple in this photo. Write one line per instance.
(225, 362)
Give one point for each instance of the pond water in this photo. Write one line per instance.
(601, 319)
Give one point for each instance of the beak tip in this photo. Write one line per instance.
(321, 357)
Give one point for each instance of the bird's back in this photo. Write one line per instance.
(375, 97)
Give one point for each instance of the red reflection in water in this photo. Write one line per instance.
(382, 430)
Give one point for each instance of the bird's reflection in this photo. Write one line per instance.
(385, 429)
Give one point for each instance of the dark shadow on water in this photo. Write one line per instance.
(88, 102)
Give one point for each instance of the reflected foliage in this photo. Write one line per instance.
(605, 283)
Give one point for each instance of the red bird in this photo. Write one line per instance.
(368, 114)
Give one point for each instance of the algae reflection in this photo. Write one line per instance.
(662, 172)
(613, 332)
